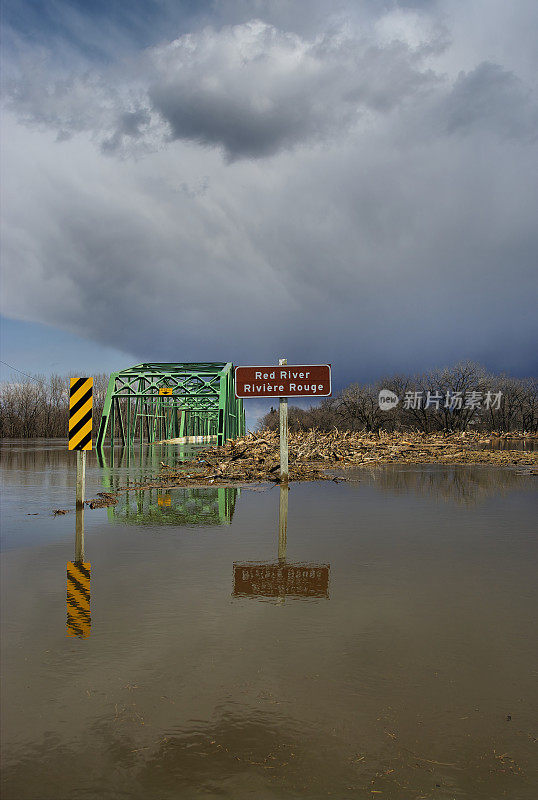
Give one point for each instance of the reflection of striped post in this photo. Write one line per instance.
(80, 414)
(78, 599)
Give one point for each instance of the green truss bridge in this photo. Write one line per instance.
(154, 402)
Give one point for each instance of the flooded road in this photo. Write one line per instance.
(383, 646)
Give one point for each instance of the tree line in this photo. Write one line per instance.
(40, 407)
(463, 397)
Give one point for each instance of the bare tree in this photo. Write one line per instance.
(40, 407)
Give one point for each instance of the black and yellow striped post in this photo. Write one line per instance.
(78, 599)
(80, 414)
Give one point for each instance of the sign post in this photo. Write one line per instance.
(79, 508)
(283, 523)
(283, 432)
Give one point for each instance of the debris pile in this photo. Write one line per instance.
(256, 457)
(102, 500)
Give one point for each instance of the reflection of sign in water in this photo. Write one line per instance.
(276, 580)
(78, 599)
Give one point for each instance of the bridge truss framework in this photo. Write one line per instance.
(153, 402)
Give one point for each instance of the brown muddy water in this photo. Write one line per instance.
(391, 655)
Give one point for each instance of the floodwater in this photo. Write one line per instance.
(507, 444)
(385, 647)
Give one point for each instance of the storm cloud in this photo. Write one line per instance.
(359, 190)
(254, 90)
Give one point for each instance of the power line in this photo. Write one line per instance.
(32, 377)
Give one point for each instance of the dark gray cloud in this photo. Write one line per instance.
(376, 206)
(490, 98)
(254, 90)
(251, 90)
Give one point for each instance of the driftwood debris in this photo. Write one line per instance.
(102, 500)
(255, 457)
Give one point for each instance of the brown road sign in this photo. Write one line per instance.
(256, 579)
(306, 380)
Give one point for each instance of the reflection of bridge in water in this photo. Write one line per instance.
(212, 505)
(179, 507)
(151, 456)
